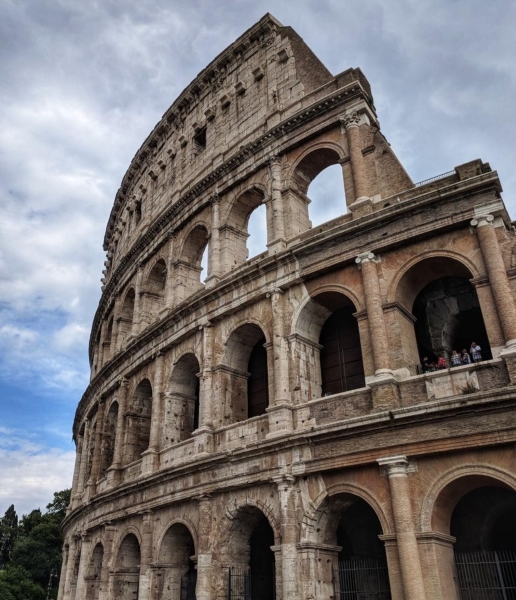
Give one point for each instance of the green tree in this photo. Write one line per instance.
(16, 584)
(8, 534)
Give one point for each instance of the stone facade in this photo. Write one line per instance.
(257, 432)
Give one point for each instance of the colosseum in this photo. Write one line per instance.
(333, 418)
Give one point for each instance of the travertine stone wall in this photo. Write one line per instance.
(173, 478)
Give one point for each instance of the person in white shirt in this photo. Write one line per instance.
(475, 351)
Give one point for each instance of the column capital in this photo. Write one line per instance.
(124, 382)
(214, 199)
(350, 120)
(275, 160)
(366, 257)
(394, 465)
(482, 221)
(285, 479)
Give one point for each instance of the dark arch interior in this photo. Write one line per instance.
(362, 570)
(139, 421)
(176, 577)
(258, 383)
(342, 368)
(449, 318)
(358, 531)
(485, 519)
(261, 561)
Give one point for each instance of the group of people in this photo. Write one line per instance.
(456, 358)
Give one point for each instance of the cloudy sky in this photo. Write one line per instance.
(82, 83)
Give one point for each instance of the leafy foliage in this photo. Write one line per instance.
(30, 551)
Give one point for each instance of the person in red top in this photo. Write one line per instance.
(441, 363)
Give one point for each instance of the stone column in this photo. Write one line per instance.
(277, 243)
(151, 455)
(62, 575)
(280, 408)
(214, 251)
(169, 285)
(410, 562)
(352, 124)
(76, 470)
(114, 470)
(100, 363)
(109, 534)
(116, 323)
(204, 433)
(144, 590)
(498, 279)
(137, 302)
(72, 549)
(373, 299)
(203, 590)
(288, 526)
(99, 428)
(84, 461)
(80, 593)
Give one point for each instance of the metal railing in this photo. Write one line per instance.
(450, 363)
(436, 178)
(239, 583)
(188, 582)
(362, 579)
(486, 575)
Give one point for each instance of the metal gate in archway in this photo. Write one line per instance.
(362, 579)
(486, 575)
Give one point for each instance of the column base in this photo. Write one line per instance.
(509, 356)
(113, 475)
(211, 281)
(385, 390)
(280, 420)
(150, 461)
(361, 207)
(276, 246)
(203, 440)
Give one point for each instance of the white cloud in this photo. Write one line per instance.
(31, 473)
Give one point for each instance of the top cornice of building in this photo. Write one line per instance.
(263, 31)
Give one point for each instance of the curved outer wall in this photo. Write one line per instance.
(173, 475)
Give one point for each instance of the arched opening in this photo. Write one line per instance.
(258, 382)
(480, 513)
(125, 323)
(204, 263)
(449, 320)
(176, 576)
(326, 347)
(352, 527)
(138, 422)
(257, 229)
(447, 315)
(107, 340)
(245, 376)
(90, 441)
(182, 400)
(189, 267)
(108, 437)
(75, 575)
(236, 231)
(326, 193)
(342, 367)
(153, 297)
(127, 569)
(251, 572)
(93, 576)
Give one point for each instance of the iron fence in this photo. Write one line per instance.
(362, 579)
(188, 582)
(239, 583)
(486, 575)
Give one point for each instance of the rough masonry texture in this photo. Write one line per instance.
(280, 429)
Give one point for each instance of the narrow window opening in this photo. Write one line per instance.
(257, 228)
(326, 191)
(200, 140)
